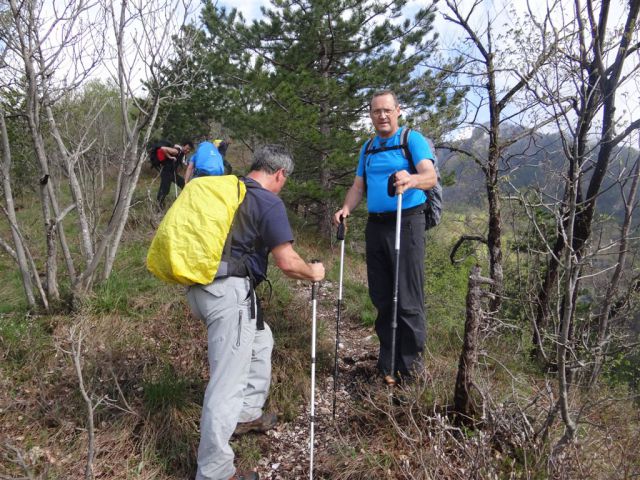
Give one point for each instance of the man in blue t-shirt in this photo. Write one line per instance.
(206, 161)
(239, 342)
(380, 234)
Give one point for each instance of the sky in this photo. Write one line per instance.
(498, 10)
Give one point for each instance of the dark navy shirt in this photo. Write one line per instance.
(261, 224)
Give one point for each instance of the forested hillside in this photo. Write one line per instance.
(532, 362)
(533, 164)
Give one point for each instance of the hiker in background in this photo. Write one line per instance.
(206, 161)
(385, 158)
(222, 146)
(239, 342)
(168, 159)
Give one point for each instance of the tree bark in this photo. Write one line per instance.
(10, 211)
(605, 314)
(86, 242)
(464, 406)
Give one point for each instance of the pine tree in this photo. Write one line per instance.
(303, 76)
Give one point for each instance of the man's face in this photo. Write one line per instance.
(384, 114)
(186, 149)
(281, 179)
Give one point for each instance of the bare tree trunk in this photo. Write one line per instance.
(10, 212)
(32, 115)
(485, 66)
(127, 190)
(599, 88)
(571, 270)
(69, 161)
(464, 405)
(494, 244)
(29, 45)
(76, 337)
(605, 314)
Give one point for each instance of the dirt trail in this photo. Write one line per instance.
(286, 448)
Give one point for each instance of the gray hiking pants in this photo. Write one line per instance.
(239, 370)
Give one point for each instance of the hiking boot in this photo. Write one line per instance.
(261, 424)
(389, 381)
(245, 476)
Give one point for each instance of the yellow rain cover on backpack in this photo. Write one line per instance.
(188, 245)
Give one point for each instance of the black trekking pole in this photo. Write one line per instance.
(340, 236)
(391, 379)
(314, 302)
(175, 178)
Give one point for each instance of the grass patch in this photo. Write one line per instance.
(22, 339)
(11, 289)
(169, 390)
(248, 450)
(356, 303)
(128, 281)
(174, 432)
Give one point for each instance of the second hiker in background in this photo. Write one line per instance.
(205, 162)
(168, 158)
(381, 158)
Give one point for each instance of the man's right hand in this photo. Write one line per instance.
(317, 271)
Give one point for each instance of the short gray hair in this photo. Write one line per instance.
(381, 93)
(271, 158)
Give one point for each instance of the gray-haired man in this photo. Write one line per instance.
(239, 344)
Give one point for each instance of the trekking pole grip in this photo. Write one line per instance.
(314, 285)
(391, 188)
(340, 233)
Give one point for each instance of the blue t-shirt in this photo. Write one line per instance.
(382, 164)
(207, 159)
(261, 224)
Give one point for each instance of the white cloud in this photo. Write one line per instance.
(250, 9)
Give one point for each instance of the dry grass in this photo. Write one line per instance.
(144, 360)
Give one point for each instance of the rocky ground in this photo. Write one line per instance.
(288, 455)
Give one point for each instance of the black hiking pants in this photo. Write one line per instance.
(380, 255)
(168, 175)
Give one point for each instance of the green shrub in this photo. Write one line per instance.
(445, 291)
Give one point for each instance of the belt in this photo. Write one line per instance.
(384, 217)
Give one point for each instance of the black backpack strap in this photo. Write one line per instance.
(226, 251)
(239, 267)
(404, 145)
(367, 151)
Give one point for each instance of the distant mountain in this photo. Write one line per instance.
(536, 163)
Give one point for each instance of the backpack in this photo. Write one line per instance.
(152, 150)
(433, 207)
(190, 241)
